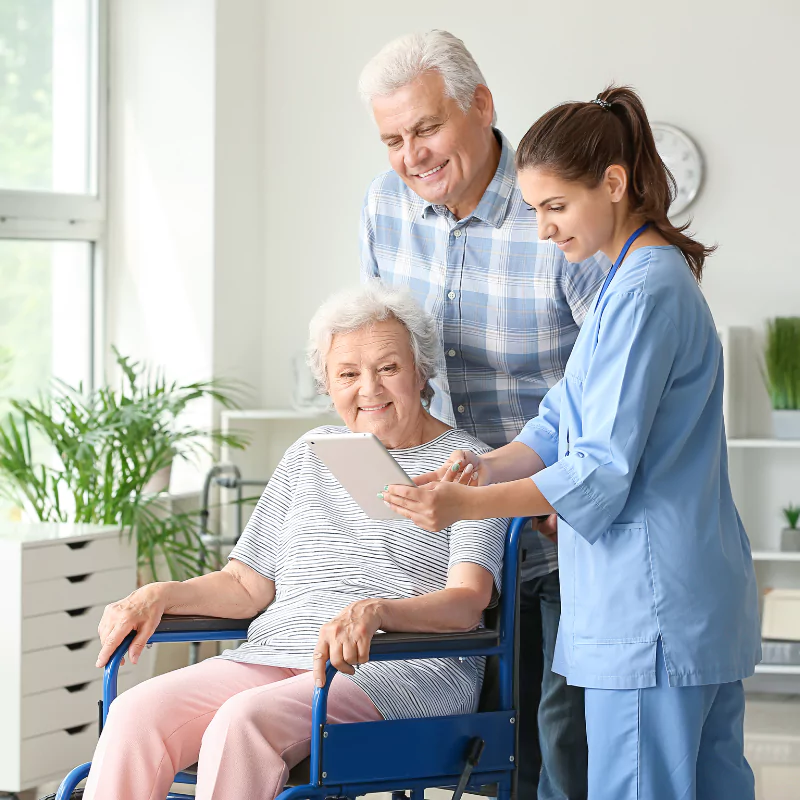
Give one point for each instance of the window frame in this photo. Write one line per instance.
(57, 216)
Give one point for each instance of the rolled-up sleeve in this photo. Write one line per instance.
(629, 372)
(541, 433)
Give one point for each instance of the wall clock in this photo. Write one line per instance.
(681, 155)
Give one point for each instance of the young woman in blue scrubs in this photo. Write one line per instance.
(659, 602)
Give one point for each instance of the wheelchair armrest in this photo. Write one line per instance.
(193, 623)
(432, 644)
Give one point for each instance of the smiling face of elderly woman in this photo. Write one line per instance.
(374, 384)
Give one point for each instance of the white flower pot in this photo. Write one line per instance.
(786, 424)
(790, 540)
(159, 482)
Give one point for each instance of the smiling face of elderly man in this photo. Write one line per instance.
(446, 154)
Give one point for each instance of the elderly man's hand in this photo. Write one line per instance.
(433, 506)
(346, 639)
(140, 611)
(549, 528)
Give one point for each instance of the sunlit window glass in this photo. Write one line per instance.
(48, 96)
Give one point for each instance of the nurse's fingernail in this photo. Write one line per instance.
(380, 494)
(386, 488)
(318, 683)
(456, 467)
(468, 469)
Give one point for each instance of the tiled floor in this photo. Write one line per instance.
(772, 742)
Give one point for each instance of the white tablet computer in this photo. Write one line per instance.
(363, 466)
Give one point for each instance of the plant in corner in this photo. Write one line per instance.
(87, 457)
(782, 375)
(790, 537)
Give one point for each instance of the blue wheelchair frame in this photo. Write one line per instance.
(353, 759)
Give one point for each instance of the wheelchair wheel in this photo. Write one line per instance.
(77, 794)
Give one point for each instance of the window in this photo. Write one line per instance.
(45, 314)
(52, 205)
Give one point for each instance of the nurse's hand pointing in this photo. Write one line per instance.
(433, 506)
(463, 466)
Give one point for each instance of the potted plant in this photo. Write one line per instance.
(790, 537)
(782, 361)
(91, 457)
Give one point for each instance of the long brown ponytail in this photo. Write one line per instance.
(579, 141)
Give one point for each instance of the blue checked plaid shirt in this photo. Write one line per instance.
(508, 305)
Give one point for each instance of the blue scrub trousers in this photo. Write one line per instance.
(668, 743)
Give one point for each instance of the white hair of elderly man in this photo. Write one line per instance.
(371, 302)
(403, 60)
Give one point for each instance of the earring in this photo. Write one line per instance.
(425, 402)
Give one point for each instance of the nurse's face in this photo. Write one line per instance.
(578, 219)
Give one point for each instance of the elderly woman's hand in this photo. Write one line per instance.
(463, 466)
(433, 506)
(140, 611)
(346, 639)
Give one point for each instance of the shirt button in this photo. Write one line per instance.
(451, 353)
(451, 295)
(579, 454)
(461, 409)
(457, 233)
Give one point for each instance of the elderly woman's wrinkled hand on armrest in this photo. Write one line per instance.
(236, 591)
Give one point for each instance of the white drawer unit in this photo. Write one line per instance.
(55, 581)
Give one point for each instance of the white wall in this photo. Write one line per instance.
(240, 151)
(186, 279)
(161, 183)
(724, 71)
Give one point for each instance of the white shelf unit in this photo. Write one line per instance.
(775, 555)
(762, 444)
(271, 431)
(765, 477)
(56, 580)
(778, 669)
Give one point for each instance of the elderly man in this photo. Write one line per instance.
(449, 222)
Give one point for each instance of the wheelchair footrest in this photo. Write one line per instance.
(379, 751)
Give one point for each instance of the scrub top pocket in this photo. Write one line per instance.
(614, 592)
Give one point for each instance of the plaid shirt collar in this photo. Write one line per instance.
(494, 204)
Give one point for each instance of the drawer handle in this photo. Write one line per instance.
(77, 687)
(78, 645)
(77, 729)
(78, 545)
(78, 578)
(77, 612)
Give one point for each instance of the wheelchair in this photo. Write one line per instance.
(475, 753)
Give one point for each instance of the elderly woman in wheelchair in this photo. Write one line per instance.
(324, 579)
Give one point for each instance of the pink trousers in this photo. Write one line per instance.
(245, 725)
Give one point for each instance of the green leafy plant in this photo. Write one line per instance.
(782, 362)
(792, 514)
(88, 457)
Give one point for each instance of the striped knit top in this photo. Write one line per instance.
(309, 536)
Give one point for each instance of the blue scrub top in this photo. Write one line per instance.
(650, 543)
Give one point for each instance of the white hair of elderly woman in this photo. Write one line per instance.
(353, 309)
(403, 60)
